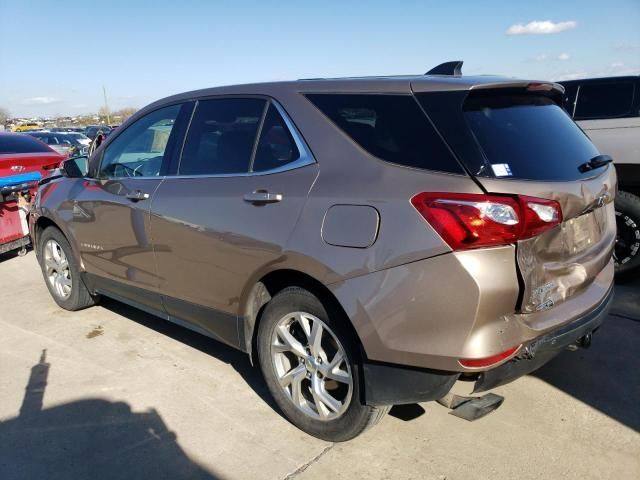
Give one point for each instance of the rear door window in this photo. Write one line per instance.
(222, 136)
(604, 100)
(527, 137)
(390, 127)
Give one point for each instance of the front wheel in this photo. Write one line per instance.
(61, 272)
(309, 363)
(627, 250)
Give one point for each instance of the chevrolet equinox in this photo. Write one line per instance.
(367, 241)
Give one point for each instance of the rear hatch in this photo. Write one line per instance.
(515, 139)
(22, 154)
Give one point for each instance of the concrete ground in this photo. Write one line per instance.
(114, 393)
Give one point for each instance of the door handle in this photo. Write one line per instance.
(137, 195)
(260, 196)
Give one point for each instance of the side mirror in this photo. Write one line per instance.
(76, 167)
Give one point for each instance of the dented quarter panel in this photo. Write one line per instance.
(566, 259)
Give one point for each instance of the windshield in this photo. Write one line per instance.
(56, 139)
(528, 137)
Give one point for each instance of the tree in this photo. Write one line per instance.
(125, 113)
(4, 116)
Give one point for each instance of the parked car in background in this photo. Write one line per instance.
(23, 162)
(367, 241)
(92, 130)
(68, 129)
(65, 143)
(608, 110)
(80, 137)
(23, 127)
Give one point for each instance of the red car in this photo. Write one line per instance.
(24, 160)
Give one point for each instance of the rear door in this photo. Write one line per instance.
(519, 141)
(227, 213)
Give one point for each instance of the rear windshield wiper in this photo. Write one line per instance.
(595, 162)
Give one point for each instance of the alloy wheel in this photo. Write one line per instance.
(311, 366)
(57, 269)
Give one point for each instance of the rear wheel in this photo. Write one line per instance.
(61, 272)
(311, 368)
(627, 250)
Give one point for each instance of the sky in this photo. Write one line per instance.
(56, 56)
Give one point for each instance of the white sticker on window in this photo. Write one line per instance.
(501, 169)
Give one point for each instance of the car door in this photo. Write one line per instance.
(242, 181)
(110, 213)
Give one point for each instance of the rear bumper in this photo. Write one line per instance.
(387, 384)
(431, 313)
(538, 352)
(15, 244)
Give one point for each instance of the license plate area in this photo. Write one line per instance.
(584, 231)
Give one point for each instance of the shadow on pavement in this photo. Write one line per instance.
(91, 438)
(607, 375)
(235, 358)
(7, 256)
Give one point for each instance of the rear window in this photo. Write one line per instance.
(604, 100)
(20, 143)
(527, 137)
(390, 127)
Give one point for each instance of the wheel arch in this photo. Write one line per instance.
(43, 222)
(275, 281)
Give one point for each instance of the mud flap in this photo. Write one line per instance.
(471, 408)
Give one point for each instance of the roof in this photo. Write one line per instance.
(390, 84)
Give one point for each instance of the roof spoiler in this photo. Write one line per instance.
(447, 68)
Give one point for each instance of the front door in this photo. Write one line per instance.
(110, 213)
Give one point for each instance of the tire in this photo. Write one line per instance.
(296, 311)
(61, 273)
(627, 250)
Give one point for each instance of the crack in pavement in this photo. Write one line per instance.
(304, 466)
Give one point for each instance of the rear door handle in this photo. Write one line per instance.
(263, 197)
(137, 195)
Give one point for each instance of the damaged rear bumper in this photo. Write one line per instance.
(538, 352)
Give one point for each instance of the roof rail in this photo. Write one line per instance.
(447, 68)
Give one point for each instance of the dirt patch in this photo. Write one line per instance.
(96, 332)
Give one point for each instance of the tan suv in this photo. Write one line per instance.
(367, 241)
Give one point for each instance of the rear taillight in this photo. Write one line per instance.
(52, 166)
(467, 221)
